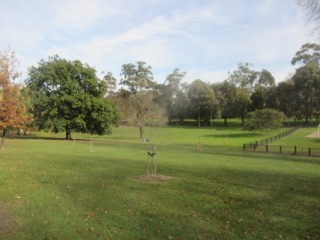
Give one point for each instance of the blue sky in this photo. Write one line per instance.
(205, 38)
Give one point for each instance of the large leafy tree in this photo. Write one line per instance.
(307, 89)
(139, 79)
(180, 106)
(226, 96)
(243, 103)
(202, 100)
(13, 112)
(285, 99)
(264, 119)
(309, 52)
(243, 77)
(68, 96)
(263, 88)
(167, 92)
(306, 81)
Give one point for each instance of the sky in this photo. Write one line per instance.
(205, 38)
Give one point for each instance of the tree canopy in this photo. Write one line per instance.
(68, 96)
(264, 119)
(141, 96)
(13, 111)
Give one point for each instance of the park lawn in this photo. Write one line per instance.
(56, 189)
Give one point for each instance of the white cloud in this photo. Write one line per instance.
(205, 38)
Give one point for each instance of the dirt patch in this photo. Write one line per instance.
(157, 177)
(314, 135)
(6, 221)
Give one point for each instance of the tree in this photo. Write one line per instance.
(307, 89)
(202, 100)
(264, 119)
(180, 106)
(243, 77)
(111, 82)
(253, 87)
(13, 112)
(243, 103)
(285, 97)
(313, 11)
(139, 79)
(309, 52)
(265, 79)
(167, 92)
(258, 99)
(263, 88)
(68, 96)
(226, 95)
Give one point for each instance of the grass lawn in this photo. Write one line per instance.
(53, 189)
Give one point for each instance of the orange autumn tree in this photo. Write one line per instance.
(13, 111)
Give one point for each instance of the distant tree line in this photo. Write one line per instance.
(245, 90)
(61, 95)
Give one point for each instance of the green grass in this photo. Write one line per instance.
(57, 190)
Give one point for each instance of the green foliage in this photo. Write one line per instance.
(138, 77)
(226, 95)
(167, 92)
(243, 77)
(307, 90)
(309, 52)
(264, 119)
(66, 96)
(202, 100)
(243, 102)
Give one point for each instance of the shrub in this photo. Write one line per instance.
(264, 119)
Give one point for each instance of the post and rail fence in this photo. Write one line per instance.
(264, 146)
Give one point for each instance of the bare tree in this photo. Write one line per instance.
(312, 8)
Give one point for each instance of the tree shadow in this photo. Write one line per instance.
(232, 135)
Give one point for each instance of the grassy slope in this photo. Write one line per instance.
(61, 191)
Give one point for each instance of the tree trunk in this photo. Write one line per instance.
(4, 131)
(225, 121)
(141, 130)
(306, 120)
(68, 135)
(199, 125)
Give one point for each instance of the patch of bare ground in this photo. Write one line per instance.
(314, 135)
(7, 227)
(157, 177)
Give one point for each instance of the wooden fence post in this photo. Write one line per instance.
(309, 151)
(267, 148)
(280, 149)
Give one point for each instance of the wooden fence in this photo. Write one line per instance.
(293, 150)
(264, 146)
(270, 139)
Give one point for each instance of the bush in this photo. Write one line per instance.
(264, 119)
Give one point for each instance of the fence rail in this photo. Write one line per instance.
(264, 146)
(293, 150)
(272, 139)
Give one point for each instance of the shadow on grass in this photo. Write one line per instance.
(34, 137)
(233, 135)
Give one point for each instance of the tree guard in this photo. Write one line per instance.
(151, 162)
